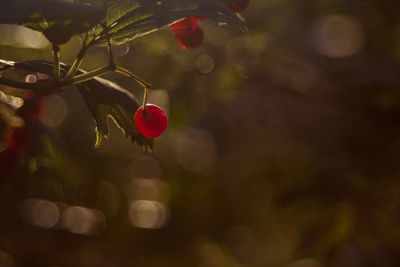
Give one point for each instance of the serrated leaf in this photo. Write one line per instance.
(129, 19)
(57, 20)
(105, 99)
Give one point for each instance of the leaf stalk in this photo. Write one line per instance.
(56, 54)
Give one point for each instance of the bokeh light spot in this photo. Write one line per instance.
(148, 214)
(84, 221)
(40, 213)
(205, 63)
(148, 189)
(338, 36)
(56, 110)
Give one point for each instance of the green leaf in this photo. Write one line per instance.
(105, 99)
(57, 20)
(129, 19)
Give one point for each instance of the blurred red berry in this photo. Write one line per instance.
(57, 37)
(188, 34)
(151, 122)
(33, 109)
(8, 163)
(237, 5)
(191, 42)
(17, 139)
(200, 18)
(185, 27)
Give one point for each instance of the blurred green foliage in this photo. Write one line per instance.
(282, 150)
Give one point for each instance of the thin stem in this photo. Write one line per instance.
(109, 48)
(143, 83)
(75, 66)
(146, 90)
(134, 76)
(90, 75)
(99, 36)
(56, 54)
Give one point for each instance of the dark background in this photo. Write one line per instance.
(282, 150)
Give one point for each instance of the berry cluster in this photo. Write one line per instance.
(18, 139)
(150, 120)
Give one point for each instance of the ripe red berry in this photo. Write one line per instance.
(237, 5)
(8, 162)
(188, 34)
(151, 122)
(17, 139)
(33, 109)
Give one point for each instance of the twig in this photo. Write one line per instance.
(75, 66)
(146, 86)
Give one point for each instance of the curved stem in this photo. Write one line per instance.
(143, 83)
(134, 76)
(146, 90)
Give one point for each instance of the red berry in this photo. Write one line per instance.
(185, 27)
(33, 109)
(188, 34)
(200, 18)
(17, 139)
(56, 36)
(237, 5)
(191, 42)
(8, 162)
(151, 122)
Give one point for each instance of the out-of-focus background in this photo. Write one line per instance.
(282, 149)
